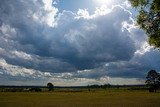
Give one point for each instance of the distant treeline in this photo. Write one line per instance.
(69, 88)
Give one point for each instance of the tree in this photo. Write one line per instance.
(50, 86)
(149, 19)
(153, 80)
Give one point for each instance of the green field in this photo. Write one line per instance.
(99, 98)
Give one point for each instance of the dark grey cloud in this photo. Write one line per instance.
(94, 41)
(35, 37)
(80, 43)
(138, 66)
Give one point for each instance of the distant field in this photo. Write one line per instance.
(101, 98)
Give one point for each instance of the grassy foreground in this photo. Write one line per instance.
(105, 98)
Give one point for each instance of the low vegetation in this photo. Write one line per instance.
(95, 98)
(85, 96)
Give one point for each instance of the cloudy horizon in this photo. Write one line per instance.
(73, 43)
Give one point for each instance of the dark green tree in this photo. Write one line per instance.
(153, 80)
(50, 86)
(149, 19)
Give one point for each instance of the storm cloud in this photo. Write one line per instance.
(35, 36)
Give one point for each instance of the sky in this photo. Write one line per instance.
(73, 43)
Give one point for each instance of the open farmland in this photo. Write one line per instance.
(97, 98)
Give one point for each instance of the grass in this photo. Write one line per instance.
(98, 98)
